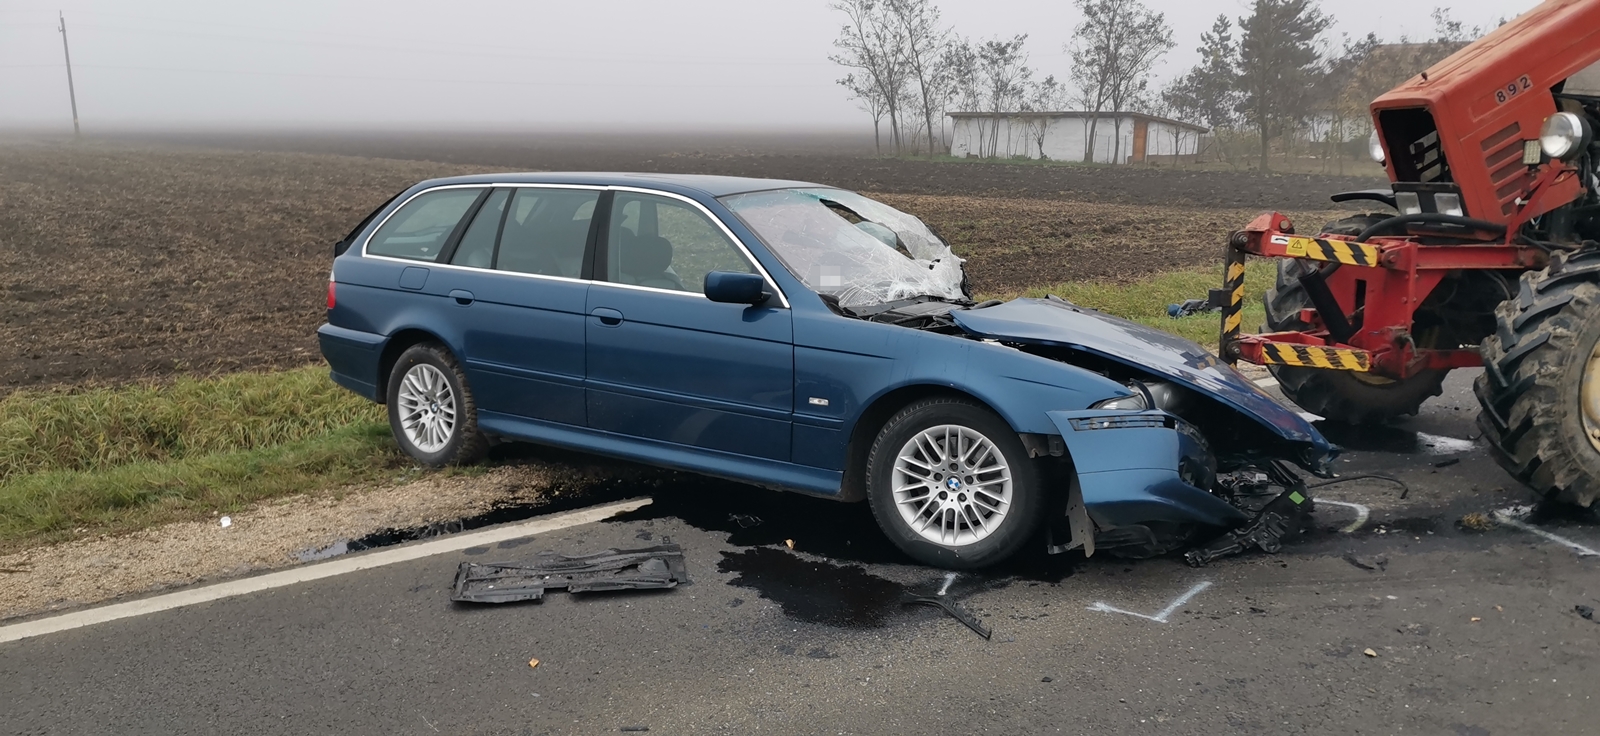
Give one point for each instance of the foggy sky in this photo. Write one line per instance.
(618, 64)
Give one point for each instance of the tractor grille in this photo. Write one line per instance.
(1507, 174)
(1413, 142)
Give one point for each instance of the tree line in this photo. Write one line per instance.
(1274, 77)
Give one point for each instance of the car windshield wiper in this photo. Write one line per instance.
(872, 309)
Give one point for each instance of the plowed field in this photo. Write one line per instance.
(126, 259)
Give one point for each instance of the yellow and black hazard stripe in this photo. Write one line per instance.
(1311, 356)
(1335, 251)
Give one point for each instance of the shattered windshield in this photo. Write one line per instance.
(846, 246)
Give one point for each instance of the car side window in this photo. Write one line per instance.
(664, 243)
(419, 229)
(547, 231)
(476, 248)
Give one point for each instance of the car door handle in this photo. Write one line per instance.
(462, 296)
(608, 317)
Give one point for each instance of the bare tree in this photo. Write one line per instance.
(923, 42)
(1042, 98)
(1003, 68)
(871, 102)
(1278, 61)
(869, 42)
(965, 82)
(1113, 50)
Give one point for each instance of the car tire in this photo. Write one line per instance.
(994, 478)
(431, 409)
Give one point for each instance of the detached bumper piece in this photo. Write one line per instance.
(613, 569)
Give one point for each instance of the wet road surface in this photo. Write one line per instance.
(1470, 632)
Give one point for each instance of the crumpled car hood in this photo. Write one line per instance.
(1057, 322)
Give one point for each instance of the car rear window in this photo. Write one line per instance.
(419, 229)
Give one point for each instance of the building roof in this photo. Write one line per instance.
(1081, 114)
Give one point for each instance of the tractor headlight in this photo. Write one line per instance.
(1375, 146)
(1564, 136)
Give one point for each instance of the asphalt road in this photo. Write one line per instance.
(1474, 633)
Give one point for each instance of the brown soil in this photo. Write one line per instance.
(122, 260)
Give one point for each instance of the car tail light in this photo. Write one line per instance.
(331, 300)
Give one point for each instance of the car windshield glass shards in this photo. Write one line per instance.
(846, 246)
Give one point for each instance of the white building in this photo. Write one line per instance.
(1061, 136)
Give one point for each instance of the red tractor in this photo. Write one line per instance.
(1492, 257)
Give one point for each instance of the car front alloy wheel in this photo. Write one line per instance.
(951, 484)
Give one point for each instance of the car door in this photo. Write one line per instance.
(516, 288)
(664, 362)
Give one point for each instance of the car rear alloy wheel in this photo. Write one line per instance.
(431, 410)
(951, 484)
(427, 408)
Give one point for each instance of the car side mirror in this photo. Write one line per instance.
(729, 287)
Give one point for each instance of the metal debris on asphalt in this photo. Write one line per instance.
(533, 662)
(608, 570)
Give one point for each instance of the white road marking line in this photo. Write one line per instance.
(306, 573)
(1362, 513)
(1509, 518)
(1308, 416)
(1267, 382)
(1161, 616)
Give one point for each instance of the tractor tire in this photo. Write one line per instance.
(1340, 396)
(1532, 389)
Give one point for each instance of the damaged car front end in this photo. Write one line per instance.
(1146, 443)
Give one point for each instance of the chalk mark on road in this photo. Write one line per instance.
(1509, 518)
(1362, 514)
(1161, 616)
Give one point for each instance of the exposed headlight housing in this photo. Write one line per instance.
(1564, 136)
(1135, 402)
(1375, 147)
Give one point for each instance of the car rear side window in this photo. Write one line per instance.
(663, 243)
(419, 229)
(476, 248)
(547, 231)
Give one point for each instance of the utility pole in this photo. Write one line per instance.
(71, 93)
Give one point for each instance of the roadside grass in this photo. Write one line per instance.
(98, 428)
(61, 504)
(104, 460)
(1146, 301)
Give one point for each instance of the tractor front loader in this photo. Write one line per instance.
(1489, 257)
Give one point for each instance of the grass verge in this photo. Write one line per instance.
(54, 505)
(107, 460)
(1146, 301)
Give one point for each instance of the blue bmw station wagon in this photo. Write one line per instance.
(803, 338)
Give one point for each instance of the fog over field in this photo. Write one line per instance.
(612, 64)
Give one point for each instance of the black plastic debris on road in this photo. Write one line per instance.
(608, 570)
(948, 606)
(1585, 611)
